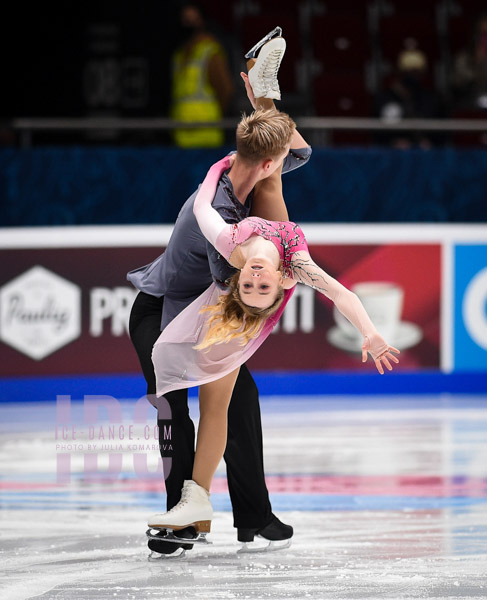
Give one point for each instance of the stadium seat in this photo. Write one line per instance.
(340, 41)
(222, 18)
(341, 95)
(470, 138)
(413, 7)
(351, 7)
(460, 29)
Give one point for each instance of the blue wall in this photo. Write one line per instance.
(81, 186)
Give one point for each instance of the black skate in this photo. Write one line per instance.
(277, 533)
(164, 544)
(166, 541)
(252, 53)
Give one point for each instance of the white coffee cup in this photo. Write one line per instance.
(383, 302)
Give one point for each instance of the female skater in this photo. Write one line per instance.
(206, 344)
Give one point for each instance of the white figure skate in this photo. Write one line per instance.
(193, 510)
(263, 73)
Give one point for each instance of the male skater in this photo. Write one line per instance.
(186, 269)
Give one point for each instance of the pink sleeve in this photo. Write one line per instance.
(350, 306)
(209, 220)
(233, 235)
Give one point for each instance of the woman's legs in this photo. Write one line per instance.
(145, 328)
(212, 430)
(268, 202)
(195, 508)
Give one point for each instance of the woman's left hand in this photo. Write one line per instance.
(223, 164)
(384, 357)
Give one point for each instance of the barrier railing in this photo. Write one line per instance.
(27, 127)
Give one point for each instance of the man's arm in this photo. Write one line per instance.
(298, 141)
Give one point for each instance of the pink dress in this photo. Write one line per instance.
(177, 364)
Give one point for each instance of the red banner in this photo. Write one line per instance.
(400, 286)
(65, 311)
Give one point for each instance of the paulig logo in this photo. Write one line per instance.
(40, 312)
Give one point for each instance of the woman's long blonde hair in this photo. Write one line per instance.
(231, 318)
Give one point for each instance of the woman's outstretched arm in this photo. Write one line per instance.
(308, 272)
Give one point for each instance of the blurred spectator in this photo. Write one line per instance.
(469, 75)
(408, 96)
(202, 86)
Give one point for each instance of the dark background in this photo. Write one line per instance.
(48, 52)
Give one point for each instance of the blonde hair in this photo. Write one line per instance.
(263, 134)
(231, 318)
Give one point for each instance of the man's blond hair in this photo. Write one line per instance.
(264, 134)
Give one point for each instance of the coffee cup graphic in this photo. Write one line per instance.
(383, 302)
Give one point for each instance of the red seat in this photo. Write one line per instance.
(459, 31)
(351, 7)
(275, 7)
(461, 28)
(470, 138)
(471, 7)
(222, 18)
(341, 95)
(415, 7)
(350, 138)
(340, 41)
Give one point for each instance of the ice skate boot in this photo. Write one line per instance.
(161, 548)
(277, 533)
(252, 53)
(193, 510)
(262, 71)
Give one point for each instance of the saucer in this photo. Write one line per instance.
(406, 336)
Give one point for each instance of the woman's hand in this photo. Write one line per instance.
(384, 357)
(223, 164)
(248, 89)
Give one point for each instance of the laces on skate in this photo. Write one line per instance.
(268, 71)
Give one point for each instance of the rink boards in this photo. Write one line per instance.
(65, 301)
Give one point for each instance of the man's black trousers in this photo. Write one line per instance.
(243, 453)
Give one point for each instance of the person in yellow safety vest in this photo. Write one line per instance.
(202, 86)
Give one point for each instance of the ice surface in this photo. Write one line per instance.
(388, 500)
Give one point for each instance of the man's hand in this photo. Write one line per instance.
(248, 89)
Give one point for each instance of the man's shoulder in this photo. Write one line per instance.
(227, 205)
